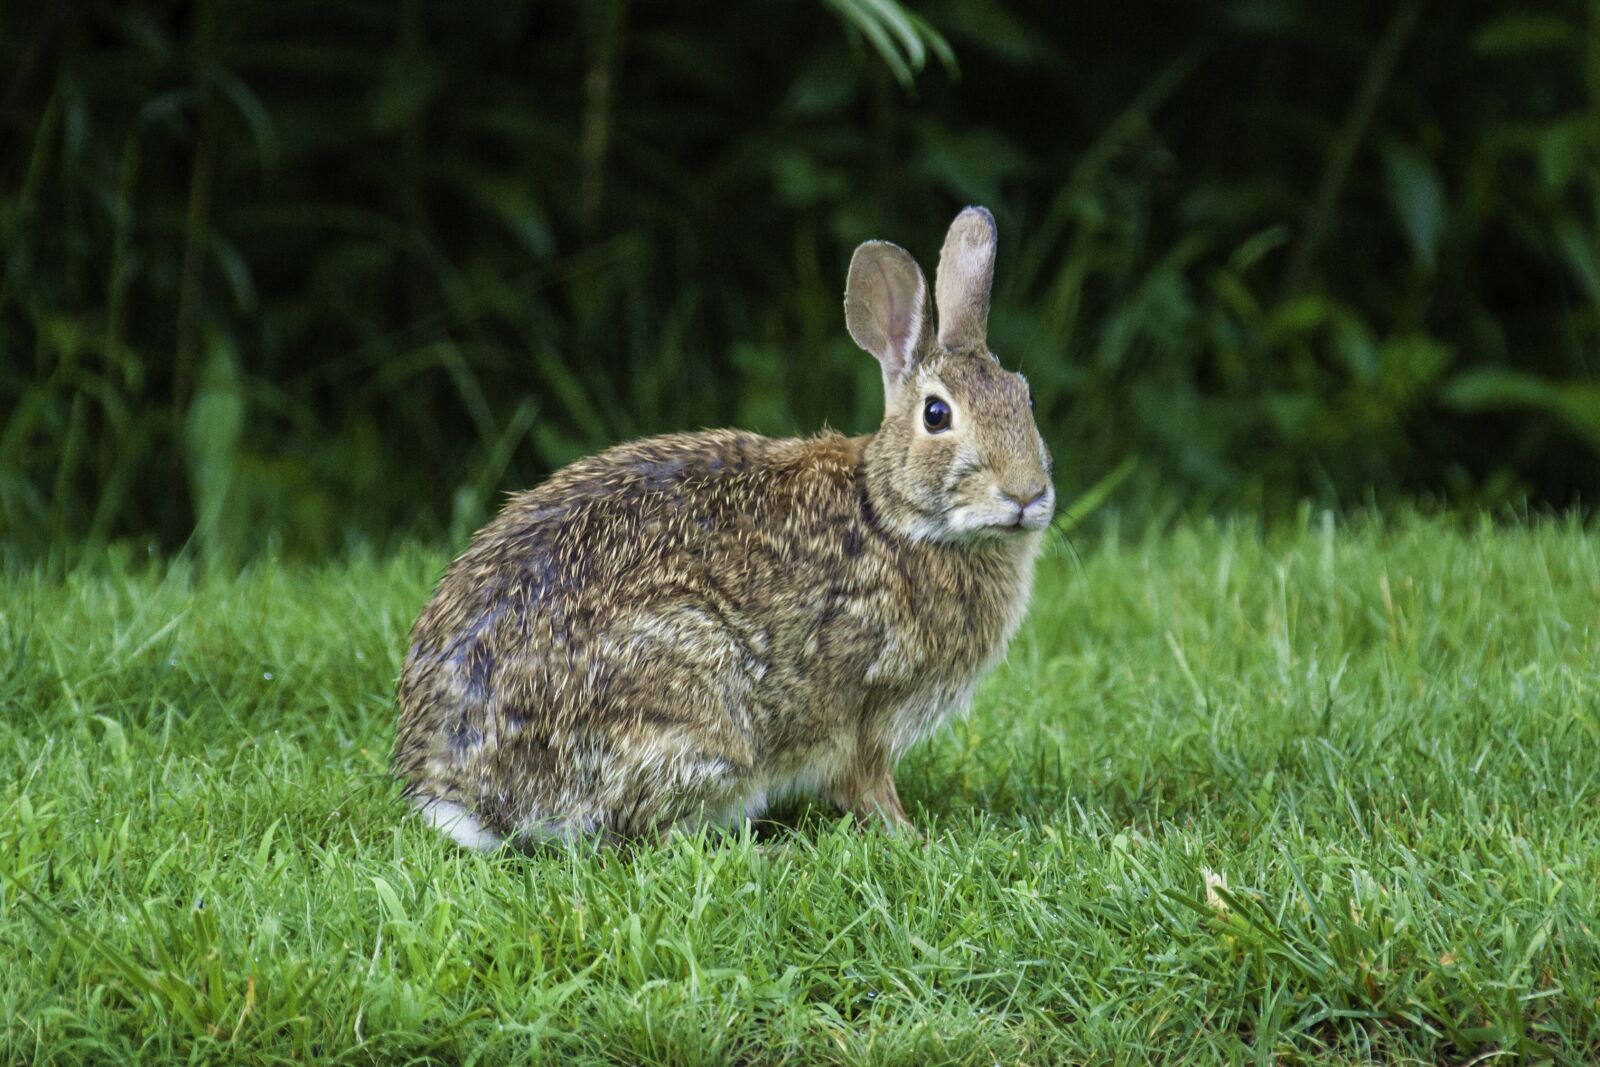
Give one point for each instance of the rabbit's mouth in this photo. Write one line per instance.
(1001, 523)
(1025, 523)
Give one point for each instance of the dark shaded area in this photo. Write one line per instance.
(305, 276)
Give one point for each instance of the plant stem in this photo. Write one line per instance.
(605, 21)
(1380, 69)
(202, 173)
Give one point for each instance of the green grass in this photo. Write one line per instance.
(1385, 736)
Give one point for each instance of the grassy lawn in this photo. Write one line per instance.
(1384, 737)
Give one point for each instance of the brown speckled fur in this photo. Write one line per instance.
(680, 628)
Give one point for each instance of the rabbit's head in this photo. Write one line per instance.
(958, 456)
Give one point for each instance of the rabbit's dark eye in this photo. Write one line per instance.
(935, 415)
(1030, 401)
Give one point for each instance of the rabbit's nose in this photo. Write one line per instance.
(1027, 498)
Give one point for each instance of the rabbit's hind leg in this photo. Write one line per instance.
(679, 791)
(868, 793)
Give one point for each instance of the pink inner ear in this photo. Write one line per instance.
(896, 339)
(889, 312)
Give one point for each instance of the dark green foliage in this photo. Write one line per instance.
(307, 274)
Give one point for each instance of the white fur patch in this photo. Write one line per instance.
(921, 715)
(457, 823)
(556, 831)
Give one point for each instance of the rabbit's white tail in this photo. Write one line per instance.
(457, 823)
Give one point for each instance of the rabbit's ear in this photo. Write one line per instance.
(966, 271)
(886, 308)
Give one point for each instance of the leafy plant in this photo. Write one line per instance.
(295, 277)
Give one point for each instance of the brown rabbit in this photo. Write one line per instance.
(682, 628)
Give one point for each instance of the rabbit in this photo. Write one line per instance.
(681, 629)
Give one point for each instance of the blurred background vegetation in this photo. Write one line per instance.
(306, 276)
